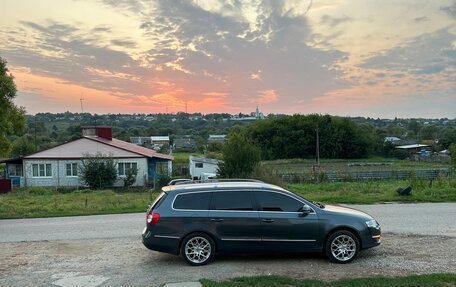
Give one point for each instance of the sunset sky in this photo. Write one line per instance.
(351, 58)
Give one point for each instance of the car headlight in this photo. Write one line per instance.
(373, 223)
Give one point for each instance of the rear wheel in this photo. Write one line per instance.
(198, 249)
(342, 246)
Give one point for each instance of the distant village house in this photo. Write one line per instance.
(59, 166)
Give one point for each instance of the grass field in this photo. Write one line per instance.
(345, 165)
(23, 204)
(42, 202)
(431, 280)
(182, 157)
(378, 191)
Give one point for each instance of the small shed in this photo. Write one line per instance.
(203, 168)
(412, 147)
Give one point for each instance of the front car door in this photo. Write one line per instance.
(283, 224)
(234, 220)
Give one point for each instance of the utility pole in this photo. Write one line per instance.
(35, 131)
(82, 108)
(318, 148)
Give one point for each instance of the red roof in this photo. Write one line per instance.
(131, 147)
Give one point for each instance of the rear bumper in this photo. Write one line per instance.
(161, 243)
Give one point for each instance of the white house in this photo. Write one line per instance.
(59, 166)
(216, 138)
(140, 140)
(203, 168)
(161, 140)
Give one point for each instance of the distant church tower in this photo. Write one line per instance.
(257, 113)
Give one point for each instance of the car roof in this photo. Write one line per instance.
(222, 186)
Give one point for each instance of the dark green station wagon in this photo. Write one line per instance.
(198, 220)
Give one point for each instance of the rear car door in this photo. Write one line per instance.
(234, 220)
(283, 225)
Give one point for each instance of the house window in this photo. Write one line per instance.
(71, 169)
(15, 170)
(162, 168)
(199, 165)
(41, 170)
(124, 167)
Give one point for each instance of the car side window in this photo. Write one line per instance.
(273, 201)
(193, 201)
(232, 200)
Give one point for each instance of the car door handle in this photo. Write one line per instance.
(216, 219)
(268, 220)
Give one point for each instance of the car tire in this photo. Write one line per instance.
(198, 249)
(342, 246)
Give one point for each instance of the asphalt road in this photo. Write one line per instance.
(106, 250)
(408, 219)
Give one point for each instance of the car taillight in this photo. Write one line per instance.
(152, 218)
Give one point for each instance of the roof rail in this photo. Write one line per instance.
(226, 180)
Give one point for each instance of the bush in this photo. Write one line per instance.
(266, 174)
(163, 180)
(65, 190)
(130, 177)
(399, 154)
(240, 156)
(39, 190)
(98, 171)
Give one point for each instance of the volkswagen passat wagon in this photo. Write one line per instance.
(201, 219)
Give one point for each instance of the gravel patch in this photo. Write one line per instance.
(126, 262)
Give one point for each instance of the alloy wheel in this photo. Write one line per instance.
(198, 250)
(343, 248)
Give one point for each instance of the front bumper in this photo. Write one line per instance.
(372, 238)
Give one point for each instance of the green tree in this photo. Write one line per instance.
(240, 157)
(12, 118)
(98, 171)
(453, 155)
(295, 137)
(448, 137)
(415, 128)
(215, 147)
(22, 146)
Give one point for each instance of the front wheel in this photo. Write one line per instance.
(198, 249)
(342, 246)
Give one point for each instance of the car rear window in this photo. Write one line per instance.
(193, 201)
(157, 201)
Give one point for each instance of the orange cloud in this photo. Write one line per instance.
(53, 94)
(265, 97)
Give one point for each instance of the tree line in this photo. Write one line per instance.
(296, 137)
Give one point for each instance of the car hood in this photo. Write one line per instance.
(346, 211)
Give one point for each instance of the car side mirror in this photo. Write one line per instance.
(305, 209)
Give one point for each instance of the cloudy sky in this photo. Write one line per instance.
(351, 58)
